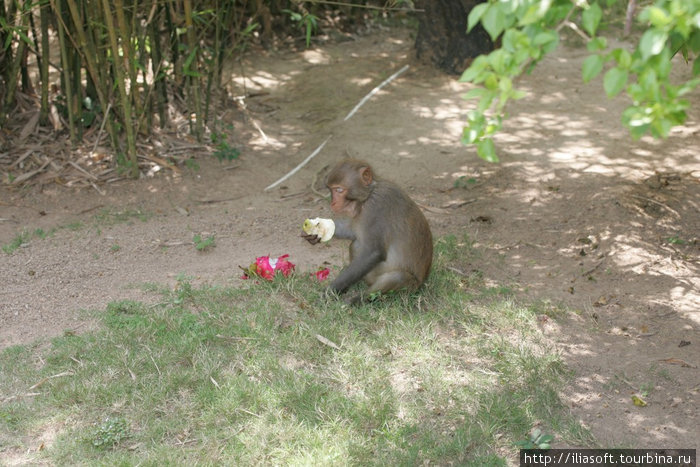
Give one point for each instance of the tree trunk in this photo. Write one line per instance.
(442, 38)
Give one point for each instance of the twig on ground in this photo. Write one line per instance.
(302, 164)
(59, 375)
(374, 91)
(458, 271)
(313, 182)
(656, 202)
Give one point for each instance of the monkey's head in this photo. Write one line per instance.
(351, 181)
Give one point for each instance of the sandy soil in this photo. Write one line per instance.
(576, 215)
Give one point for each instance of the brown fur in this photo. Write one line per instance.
(392, 246)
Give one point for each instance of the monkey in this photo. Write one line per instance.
(391, 243)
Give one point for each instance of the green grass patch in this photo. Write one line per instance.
(110, 216)
(104, 218)
(23, 238)
(275, 373)
(19, 240)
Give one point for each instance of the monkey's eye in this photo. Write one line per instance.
(338, 189)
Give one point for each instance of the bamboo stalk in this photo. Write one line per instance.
(86, 46)
(16, 63)
(150, 48)
(140, 29)
(172, 26)
(5, 38)
(45, 58)
(193, 93)
(129, 55)
(77, 92)
(121, 85)
(88, 49)
(63, 45)
(161, 93)
(27, 84)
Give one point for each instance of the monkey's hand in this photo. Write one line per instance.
(323, 228)
(311, 238)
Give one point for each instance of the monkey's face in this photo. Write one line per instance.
(350, 183)
(340, 202)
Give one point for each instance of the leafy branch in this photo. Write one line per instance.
(530, 29)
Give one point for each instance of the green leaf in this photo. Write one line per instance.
(662, 63)
(249, 29)
(622, 57)
(505, 84)
(636, 122)
(487, 150)
(694, 39)
(474, 128)
(494, 20)
(475, 15)
(597, 44)
(475, 93)
(688, 86)
(592, 66)
(661, 127)
(677, 43)
(658, 17)
(545, 42)
(614, 81)
(545, 37)
(190, 58)
(486, 100)
(591, 18)
(513, 40)
(535, 12)
(475, 69)
(499, 60)
(652, 43)
(649, 82)
(491, 82)
(469, 135)
(532, 15)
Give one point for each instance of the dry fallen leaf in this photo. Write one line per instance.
(327, 342)
(638, 401)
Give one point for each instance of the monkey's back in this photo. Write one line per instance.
(403, 229)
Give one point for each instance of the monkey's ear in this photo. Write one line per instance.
(366, 175)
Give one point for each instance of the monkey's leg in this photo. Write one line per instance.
(386, 282)
(393, 280)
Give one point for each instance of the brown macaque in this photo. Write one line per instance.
(392, 246)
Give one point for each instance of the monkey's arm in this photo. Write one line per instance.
(363, 263)
(343, 229)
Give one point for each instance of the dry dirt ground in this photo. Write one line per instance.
(576, 216)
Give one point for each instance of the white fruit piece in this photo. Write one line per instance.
(324, 228)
